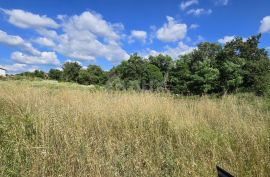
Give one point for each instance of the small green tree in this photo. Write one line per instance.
(39, 74)
(165, 64)
(180, 76)
(131, 70)
(205, 78)
(152, 78)
(84, 77)
(115, 83)
(71, 71)
(97, 75)
(55, 74)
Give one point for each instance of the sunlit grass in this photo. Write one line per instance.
(47, 129)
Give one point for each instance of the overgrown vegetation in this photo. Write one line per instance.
(61, 129)
(50, 128)
(238, 66)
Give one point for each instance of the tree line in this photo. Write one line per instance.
(237, 66)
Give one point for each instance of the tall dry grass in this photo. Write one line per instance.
(77, 132)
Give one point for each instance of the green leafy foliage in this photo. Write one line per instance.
(55, 74)
(71, 71)
(152, 78)
(92, 75)
(238, 66)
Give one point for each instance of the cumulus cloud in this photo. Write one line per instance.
(18, 67)
(185, 4)
(50, 34)
(34, 56)
(180, 50)
(226, 39)
(174, 52)
(91, 22)
(172, 31)
(138, 35)
(199, 12)
(42, 58)
(16, 41)
(23, 19)
(265, 25)
(86, 37)
(43, 41)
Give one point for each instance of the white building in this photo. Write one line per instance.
(3, 72)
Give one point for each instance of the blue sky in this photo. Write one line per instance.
(38, 34)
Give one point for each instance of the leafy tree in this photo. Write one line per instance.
(132, 69)
(152, 78)
(231, 72)
(180, 76)
(84, 77)
(71, 71)
(205, 78)
(55, 74)
(98, 76)
(206, 51)
(92, 75)
(197, 72)
(256, 62)
(115, 83)
(40, 74)
(164, 63)
(133, 85)
(36, 73)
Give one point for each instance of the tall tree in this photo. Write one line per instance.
(132, 69)
(164, 63)
(256, 67)
(152, 77)
(71, 71)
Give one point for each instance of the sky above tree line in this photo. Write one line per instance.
(38, 34)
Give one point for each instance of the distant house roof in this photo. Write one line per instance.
(2, 68)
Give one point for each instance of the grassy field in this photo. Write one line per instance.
(51, 129)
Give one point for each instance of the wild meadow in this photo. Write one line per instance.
(51, 129)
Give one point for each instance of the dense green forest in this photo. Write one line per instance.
(237, 66)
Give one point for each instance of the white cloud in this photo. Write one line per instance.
(87, 37)
(16, 41)
(174, 52)
(23, 19)
(222, 2)
(43, 58)
(265, 25)
(43, 41)
(80, 37)
(180, 50)
(35, 56)
(199, 12)
(51, 34)
(185, 4)
(153, 53)
(172, 31)
(93, 23)
(138, 35)
(226, 39)
(194, 26)
(17, 68)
